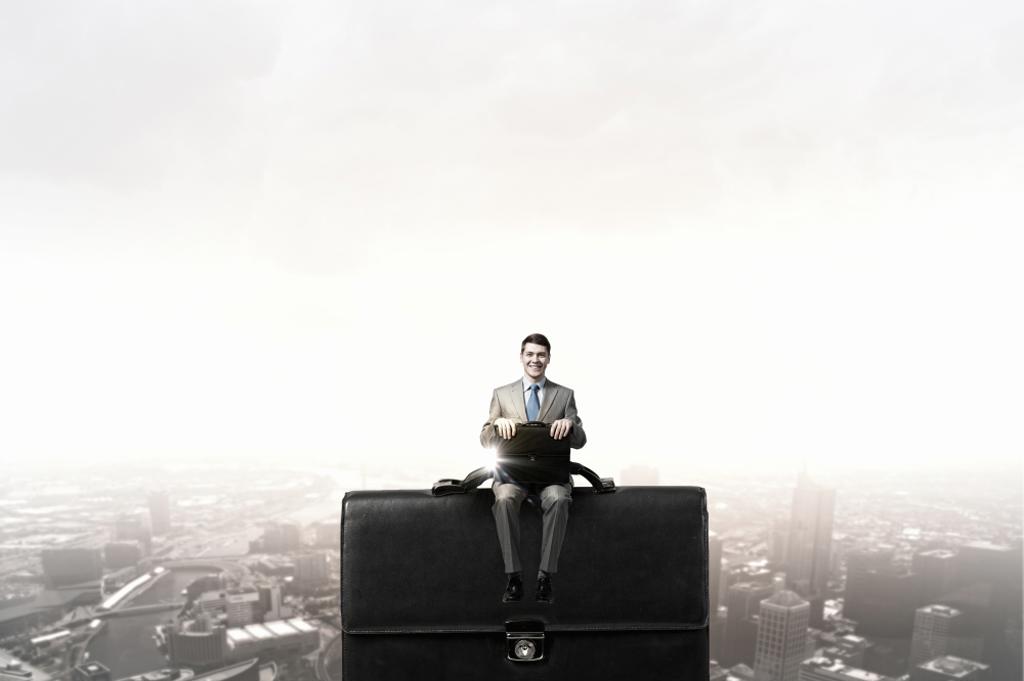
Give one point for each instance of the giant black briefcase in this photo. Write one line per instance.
(422, 579)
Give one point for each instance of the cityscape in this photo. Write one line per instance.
(221, 572)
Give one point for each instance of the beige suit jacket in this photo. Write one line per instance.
(509, 402)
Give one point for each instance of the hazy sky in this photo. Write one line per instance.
(754, 234)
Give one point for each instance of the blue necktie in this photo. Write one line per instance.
(533, 406)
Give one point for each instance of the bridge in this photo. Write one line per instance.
(227, 564)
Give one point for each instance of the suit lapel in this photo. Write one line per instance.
(515, 391)
(550, 395)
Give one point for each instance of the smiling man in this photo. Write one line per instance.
(532, 398)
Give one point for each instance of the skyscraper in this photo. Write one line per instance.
(781, 637)
(281, 537)
(134, 528)
(122, 554)
(809, 543)
(714, 571)
(196, 643)
(989, 593)
(160, 512)
(880, 596)
(743, 607)
(312, 570)
(940, 630)
(937, 571)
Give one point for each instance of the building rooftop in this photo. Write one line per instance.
(786, 598)
(839, 667)
(272, 629)
(21, 670)
(956, 667)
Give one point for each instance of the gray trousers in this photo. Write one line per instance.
(554, 502)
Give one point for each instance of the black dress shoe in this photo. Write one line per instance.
(544, 589)
(514, 590)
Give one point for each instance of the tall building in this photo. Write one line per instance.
(777, 541)
(781, 637)
(271, 602)
(949, 668)
(196, 644)
(121, 554)
(809, 543)
(70, 567)
(982, 561)
(243, 607)
(743, 604)
(880, 596)
(281, 538)
(714, 571)
(312, 570)
(160, 512)
(937, 571)
(939, 630)
(716, 635)
(989, 593)
(134, 528)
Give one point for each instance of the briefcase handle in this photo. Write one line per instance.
(528, 424)
(446, 486)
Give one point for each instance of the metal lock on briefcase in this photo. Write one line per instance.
(524, 640)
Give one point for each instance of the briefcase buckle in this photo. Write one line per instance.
(524, 640)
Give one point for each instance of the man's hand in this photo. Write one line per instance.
(561, 428)
(506, 428)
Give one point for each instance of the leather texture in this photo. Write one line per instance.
(422, 578)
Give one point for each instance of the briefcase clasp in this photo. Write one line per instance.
(524, 640)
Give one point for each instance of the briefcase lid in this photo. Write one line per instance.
(532, 438)
(635, 559)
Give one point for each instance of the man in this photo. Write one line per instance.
(532, 398)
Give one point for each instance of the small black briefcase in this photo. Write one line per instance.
(533, 456)
(422, 579)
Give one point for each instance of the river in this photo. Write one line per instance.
(126, 644)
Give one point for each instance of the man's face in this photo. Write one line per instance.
(535, 361)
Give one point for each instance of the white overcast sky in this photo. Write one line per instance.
(756, 233)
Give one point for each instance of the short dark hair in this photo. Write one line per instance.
(537, 339)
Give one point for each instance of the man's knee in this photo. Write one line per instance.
(556, 498)
(507, 498)
(506, 503)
